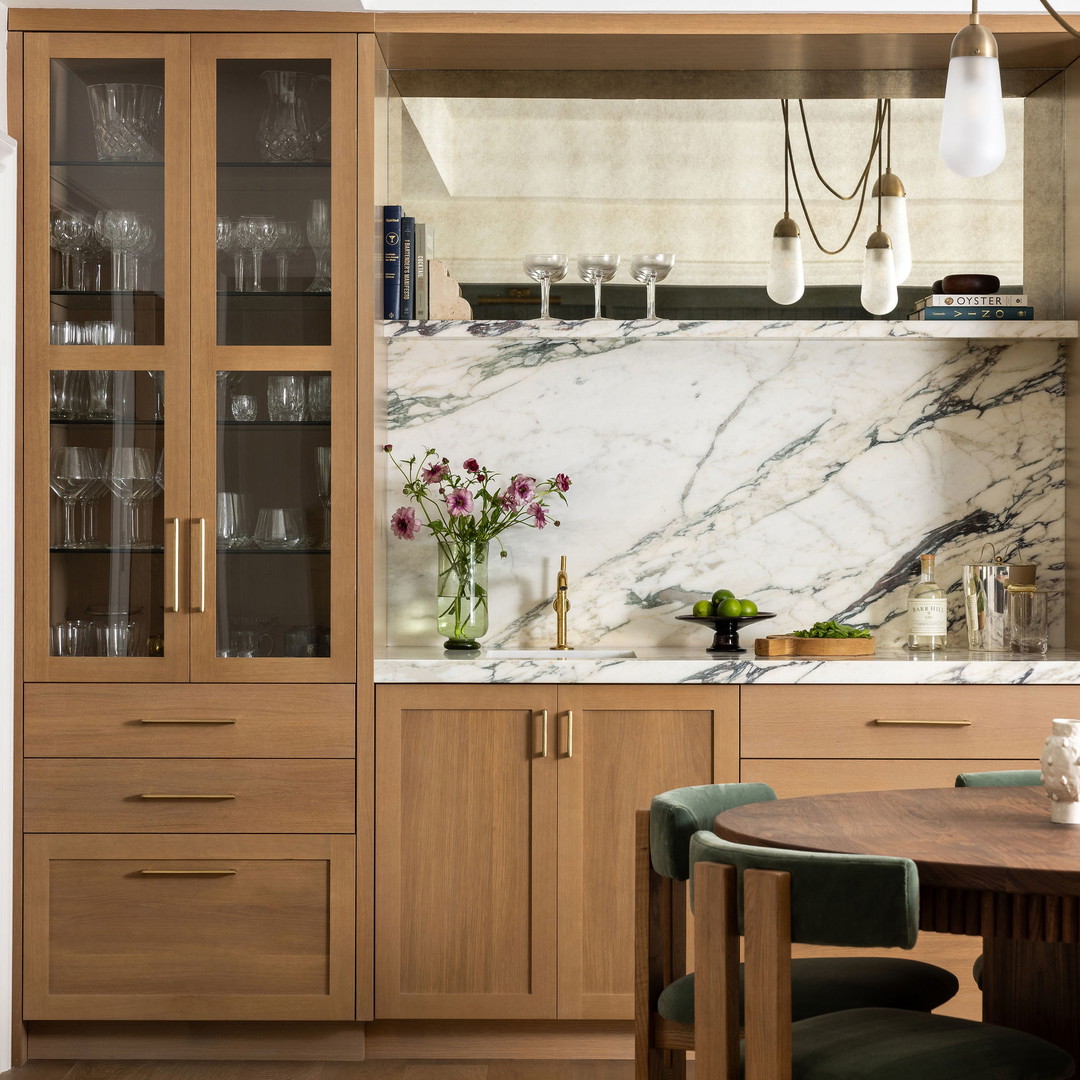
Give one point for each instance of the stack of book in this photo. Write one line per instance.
(994, 307)
(408, 247)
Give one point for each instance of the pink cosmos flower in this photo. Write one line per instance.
(434, 473)
(404, 524)
(510, 500)
(524, 487)
(459, 503)
(471, 465)
(539, 517)
(562, 481)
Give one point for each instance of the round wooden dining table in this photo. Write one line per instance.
(991, 864)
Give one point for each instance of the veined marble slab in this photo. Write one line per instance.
(807, 475)
(679, 666)
(736, 329)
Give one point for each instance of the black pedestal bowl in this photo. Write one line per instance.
(726, 630)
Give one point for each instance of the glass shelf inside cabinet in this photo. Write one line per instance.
(106, 521)
(273, 500)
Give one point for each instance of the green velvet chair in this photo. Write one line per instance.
(774, 897)
(664, 993)
(998, 778)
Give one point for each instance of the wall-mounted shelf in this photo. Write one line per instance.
(739, 330)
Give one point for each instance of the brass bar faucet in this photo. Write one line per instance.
(561, 606)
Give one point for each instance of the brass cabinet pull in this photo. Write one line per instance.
(155, 795)
(181, 720)
(174, 603)
(929, 723)
(569, 733)
(186, 873)
(543, 735)
(201, 605)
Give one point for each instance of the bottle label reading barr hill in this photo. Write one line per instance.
(928, 616)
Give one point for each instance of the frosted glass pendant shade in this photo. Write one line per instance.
(879, 295)
(894, 222)
(972, 122)
(785, 284)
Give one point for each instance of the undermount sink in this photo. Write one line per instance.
(560, 654)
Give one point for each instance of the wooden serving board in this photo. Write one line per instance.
(789, 645)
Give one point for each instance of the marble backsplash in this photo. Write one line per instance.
(807, 475)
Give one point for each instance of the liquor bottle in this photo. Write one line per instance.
(928, 610)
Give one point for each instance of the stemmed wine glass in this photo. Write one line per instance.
(546, 269)
(70, 232)
(649, 269)
(92, 493)
(129, 472)
(290, 237)
(322, 476)
(596, 269)
(257, 234)
(318, 235)
(71, 470)
(228, 244)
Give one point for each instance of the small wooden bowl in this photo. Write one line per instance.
(970, 284)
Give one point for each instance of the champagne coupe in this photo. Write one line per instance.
(649, 269)
(257, 234)
(322, 476)
(546, 269)
(129, 472)
(71, 470)
(290, 238)
(596, 269)
(318, 235)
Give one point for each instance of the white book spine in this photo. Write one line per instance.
(423, 245)
(963, 300)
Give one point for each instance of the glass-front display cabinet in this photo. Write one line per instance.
(190, 279)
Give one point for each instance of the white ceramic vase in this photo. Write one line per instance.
(1060, 765)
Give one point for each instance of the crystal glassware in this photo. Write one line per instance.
(257, 234)
(280, 528)
(243, 407)
(649, 269)
(126, 117)
(318, 236)
(322, 479)
(228, 244)
(290, 238)
(547, 269)
(70, 232)
(318, 397)
(233, 520)
(129, 472)
(71, 470)
(596, 269)
(285, 397)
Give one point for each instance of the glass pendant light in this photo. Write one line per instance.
(972, 121)
(785, 283)
(879, 295)
(894, 219)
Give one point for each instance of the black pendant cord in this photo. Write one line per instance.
(1061, 21)
(787, 160)
(813, 160)
(886, 110)
(879, 123)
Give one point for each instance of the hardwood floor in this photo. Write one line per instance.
(324, 1070)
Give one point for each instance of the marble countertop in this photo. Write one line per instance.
(682, 666)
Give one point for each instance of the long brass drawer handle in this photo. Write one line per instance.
(929, 723)
(173, 604)
(186, 873)
(181, 720)
(155, 795)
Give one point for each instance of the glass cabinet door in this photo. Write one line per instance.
(274, 358)
(106, 281)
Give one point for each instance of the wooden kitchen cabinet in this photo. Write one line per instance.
(504, 869)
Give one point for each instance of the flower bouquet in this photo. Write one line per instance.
(465, 512)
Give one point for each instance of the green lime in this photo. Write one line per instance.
(722, 594)
(730, 608)
(704, 607)
(748, 607)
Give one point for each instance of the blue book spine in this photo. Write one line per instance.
(980, 314)
(391, 262)
(408, 268)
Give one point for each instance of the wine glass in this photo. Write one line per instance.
(649, 269)
(596, 269)
(69, 233)
(318, 235)
(71, 470)
(228, 244)
(129, 472)
(257, 234)
(290, 238)
(546, 269)
(322, 477)
(95, 490)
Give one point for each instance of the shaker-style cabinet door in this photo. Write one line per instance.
(619, 746)
(273, 224)
(465, 851)
(105, 480)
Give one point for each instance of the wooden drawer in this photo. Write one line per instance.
(178, 720)
(209, 795)
(976, 722)
(223, 928)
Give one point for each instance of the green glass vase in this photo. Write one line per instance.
(462, 595)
